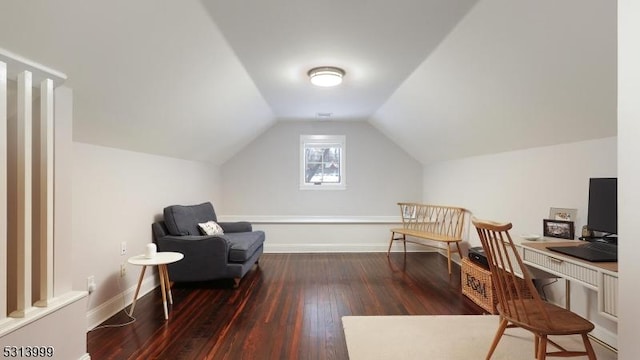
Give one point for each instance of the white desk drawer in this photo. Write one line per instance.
(562, 267)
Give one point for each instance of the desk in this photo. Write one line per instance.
(601, 277)
(161, 260)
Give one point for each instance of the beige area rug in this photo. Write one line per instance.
(446, 337)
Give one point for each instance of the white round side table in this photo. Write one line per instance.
(161, 259)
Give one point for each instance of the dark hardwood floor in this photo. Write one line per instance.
(287, 308)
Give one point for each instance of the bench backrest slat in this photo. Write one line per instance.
(435, 219)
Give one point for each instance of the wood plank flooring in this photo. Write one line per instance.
(287, 308)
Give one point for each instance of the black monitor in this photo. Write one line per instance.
(603, 205)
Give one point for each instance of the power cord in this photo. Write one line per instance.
(542, 288)
(124, 309)
(131, 321)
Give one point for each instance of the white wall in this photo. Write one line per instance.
(520, 187)
(328, 237)
(117, 194)
(261, 184)
(263, 179)
(629, 175)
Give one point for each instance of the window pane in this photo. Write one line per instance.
(313, 173)
(331, 172)
(322, 164)
(313, 154)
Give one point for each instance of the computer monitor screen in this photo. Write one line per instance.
(603, 205)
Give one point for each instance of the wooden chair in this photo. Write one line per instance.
(524, 308)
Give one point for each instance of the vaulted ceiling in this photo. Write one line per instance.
(444, 79)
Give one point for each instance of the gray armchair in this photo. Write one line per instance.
(206, 257)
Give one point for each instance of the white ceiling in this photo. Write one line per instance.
(377, 42)
(512, 75)
(444, 79)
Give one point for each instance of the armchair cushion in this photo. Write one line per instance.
(244, 244)
(183, 220)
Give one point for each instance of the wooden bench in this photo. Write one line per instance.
(431, 222)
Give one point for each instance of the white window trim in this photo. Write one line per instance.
(319, 140)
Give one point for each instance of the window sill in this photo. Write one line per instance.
(323, 187)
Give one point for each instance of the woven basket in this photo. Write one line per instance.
(476, 285)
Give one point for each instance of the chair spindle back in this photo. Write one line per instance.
(504, 263)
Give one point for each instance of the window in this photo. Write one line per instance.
(322, 162)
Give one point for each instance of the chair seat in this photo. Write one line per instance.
(564, 322)
(243, 245)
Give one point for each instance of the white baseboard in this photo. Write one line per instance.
(112, 306)
(605, 336)
(85, 357)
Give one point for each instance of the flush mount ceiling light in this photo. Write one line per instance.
(326, 76)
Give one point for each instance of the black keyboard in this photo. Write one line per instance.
(592, 251)
(601, 246)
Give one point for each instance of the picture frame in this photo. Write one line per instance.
(558, 229)
(563, 214)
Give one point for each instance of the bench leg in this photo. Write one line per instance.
(459, 251)
(404, 241)
(449, 257)
(390, 243)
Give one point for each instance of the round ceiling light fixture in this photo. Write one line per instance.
(326, 76)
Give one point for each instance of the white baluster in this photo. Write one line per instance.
(22, 154)
(44, 237)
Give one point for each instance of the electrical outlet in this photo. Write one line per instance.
(91, 284)
(123, 270)
(123, 248)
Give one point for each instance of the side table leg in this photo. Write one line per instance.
(167, 283)
(162, 288)
(135, 295)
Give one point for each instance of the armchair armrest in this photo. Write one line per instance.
(234, 227)
(194, 238)
(204, 256)
(206, 248)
